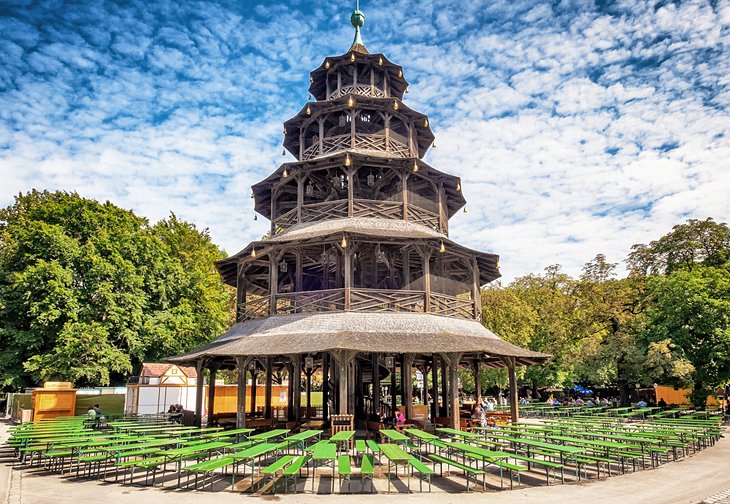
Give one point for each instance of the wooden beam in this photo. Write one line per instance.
(242, 365)
(434, 387)
(408, 384)
(477, 381)
(269, 387)
(325, 385)
(211, 394)
(375, 360)
(199, 367)
(453, 360)
(297, 362)
(348, 275)
(513, 399)
(476, 293)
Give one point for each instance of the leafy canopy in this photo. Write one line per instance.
(89, 290)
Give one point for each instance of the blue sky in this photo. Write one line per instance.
(577, 128)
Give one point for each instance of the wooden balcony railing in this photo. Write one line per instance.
(397, 145)
(256, 308)
(387, 300)
(452, 306)
(361, 300)
(422, 216)
(360, 89)
(312, 301)
(375, 209)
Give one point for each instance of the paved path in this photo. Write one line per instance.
(701, 477)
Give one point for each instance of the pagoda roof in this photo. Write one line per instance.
(368, 228)
(262, 190)
(387, 332)
(291, 127)
(318, 87)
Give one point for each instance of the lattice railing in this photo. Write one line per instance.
(286, 220)
(256, 308)
(312, 301)
(360, 89)
(322, 211)
(422, 216)
(386, 300)
(442, 304)
(399, 148)
(377, 209)
(363, 141)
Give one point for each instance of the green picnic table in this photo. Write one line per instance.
(301, 438)
(487, 457)
(237, 433)
(396, 455)
(324, 453)
(177, 454)
(342, 437)
(458, 433)
(394, 435)
(269, 435)
(250, 455)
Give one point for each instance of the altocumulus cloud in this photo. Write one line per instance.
(577, 128)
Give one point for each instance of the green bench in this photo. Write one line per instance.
(344, 471)
(548, 465)
(512, 469)
(293, 471)
(207, 468)
(468, 470)
(423, 470)
(367, 469)
(269, 472)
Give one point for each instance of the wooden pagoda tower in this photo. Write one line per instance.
(357, 276)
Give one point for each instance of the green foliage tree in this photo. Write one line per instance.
(89, 290)
(691, 312)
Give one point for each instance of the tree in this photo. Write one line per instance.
(696, 242)
(691, 313)
(89, 290)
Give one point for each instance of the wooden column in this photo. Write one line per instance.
(513, 399)
(434, 387)
(408, 384)
(300, 196)
(339, 83)
(254, 380)
(477, 382)
(352, 128)
(453, 361)
(406, 268)
(273, 279)
(297, 362)
(476, 294)
(444, 389)
(375, 359)
(308, 372)
(343, 358)
(211, 394)
(442, 204)
(199, 367)
(320, 122)
(325, 385)
(347, 252)
(404, 190)
(290, 391)
(327, 85)
(269, 386)
(299, 272)
(426, 257)
(387, 132)
(241, 364)
(393, 388)
(350, 191)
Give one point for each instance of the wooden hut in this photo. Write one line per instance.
(358, 277)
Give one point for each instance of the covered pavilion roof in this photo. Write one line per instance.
(395, 332)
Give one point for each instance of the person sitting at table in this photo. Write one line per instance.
(478, 417)
(492, 422)
(400, 418)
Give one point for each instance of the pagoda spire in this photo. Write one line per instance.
(358, 19)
